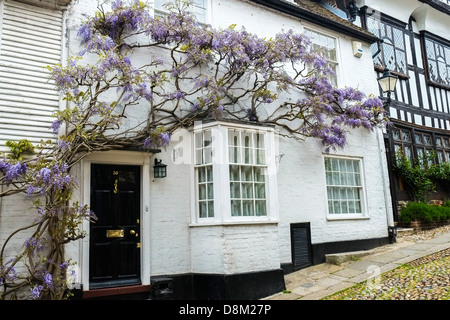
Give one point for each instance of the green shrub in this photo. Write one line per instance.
(424, 212)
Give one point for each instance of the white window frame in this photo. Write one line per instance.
(159, 11)
(362, 193)
(335, 62)
(221, 176)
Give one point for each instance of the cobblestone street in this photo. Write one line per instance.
(427, 278)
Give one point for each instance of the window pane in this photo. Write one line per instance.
(260, 208)
(247, 173)
(259, 174)
(202, 174)
(418, 138)
(427, 140)
(236, 208)
(208, 155)
(234, 173)
(235, 190)
(202, 191)
(248, 208)
(210, 188)
(438, 142)
(210, 209)
(247, 190)
(209, 173)
(406, 136)
(260, 191)
(203, 210)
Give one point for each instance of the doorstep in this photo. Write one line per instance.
(116, 291)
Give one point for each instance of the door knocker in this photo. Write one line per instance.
(115, 185)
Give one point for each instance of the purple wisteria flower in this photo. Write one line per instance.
(55, 126)
(48, 280)
(165, 138)
(13, 171)
(36, 291)
(34, 244)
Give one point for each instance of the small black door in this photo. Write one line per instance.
(114, 256)
(301, 245)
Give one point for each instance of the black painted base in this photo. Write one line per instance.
(319, 250)
(244, 286)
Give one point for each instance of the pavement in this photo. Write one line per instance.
(347, 269)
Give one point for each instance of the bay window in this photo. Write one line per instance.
(235, 176)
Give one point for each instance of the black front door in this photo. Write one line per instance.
(114, 256)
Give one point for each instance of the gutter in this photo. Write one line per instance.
(303, 14)
(438, 5)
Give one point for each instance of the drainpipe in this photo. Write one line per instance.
(379, 42)
(389, 212)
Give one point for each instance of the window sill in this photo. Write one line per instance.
(231, 223)
(347, 217)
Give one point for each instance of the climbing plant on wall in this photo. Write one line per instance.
(114, 101)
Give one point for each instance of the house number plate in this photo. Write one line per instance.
(115, 233)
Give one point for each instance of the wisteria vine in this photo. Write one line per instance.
(192, 72)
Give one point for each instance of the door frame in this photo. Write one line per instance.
(141, 159)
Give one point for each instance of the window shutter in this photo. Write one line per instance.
(30, 40)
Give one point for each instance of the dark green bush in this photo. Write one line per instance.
(424, 212)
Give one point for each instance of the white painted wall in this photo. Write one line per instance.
(172, 245)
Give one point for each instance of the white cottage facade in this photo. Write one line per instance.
(241, 205)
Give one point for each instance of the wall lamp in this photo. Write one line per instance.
(159, 169)
(387, 83)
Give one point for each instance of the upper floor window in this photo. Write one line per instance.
(326, 46)
(392, 52)
(438, 62)
(197, 7)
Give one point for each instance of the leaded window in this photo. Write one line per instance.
(443, 149)
(403, 142)
(392, 52)
(419, 145)
(438, 62)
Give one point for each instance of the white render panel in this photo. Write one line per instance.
(417, 46)
(30, 40)
(423, 88)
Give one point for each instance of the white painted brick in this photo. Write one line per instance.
(176, 247)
